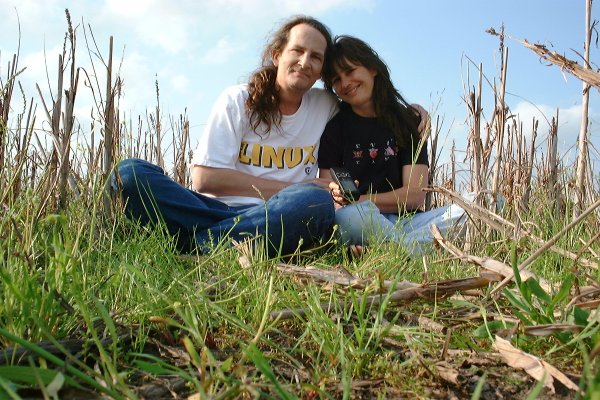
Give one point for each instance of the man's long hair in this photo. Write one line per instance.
(391, 110)
(263, 100)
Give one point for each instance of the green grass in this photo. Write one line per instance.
(123, 288)
(92, 302)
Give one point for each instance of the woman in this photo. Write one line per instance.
(375, 137)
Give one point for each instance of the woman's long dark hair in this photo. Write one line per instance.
(262, 104)
(391, 110)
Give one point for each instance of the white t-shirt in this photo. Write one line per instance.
(287, 153)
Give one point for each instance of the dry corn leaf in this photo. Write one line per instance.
(448, 373)
(550, 329)
(537, 368)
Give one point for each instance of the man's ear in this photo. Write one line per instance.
(275, 58)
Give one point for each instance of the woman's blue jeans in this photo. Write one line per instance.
(300, 215)
(362, 222)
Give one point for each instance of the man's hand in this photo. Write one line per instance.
(425, 124)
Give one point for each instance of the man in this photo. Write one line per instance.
(256, 160)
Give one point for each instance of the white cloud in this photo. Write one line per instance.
(220, 53)
(177, 24)
(155, 22)
(180, 82)
(569, 122)
(245, 9)
(139, 90)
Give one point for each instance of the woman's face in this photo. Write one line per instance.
(354, 85)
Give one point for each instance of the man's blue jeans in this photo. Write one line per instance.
(301, 214)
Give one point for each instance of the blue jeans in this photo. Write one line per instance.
(362, 222)
(301, 214)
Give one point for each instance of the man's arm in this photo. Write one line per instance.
(229, 182)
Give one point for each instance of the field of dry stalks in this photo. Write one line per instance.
(92, 305)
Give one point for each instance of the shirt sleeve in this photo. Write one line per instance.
(219, 143)
(421, 149)
(417, 155)
(331, 146)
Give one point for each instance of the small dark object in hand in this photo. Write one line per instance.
(346, 183)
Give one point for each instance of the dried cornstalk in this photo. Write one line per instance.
(181, 144)
(6, 91)
(582, 143)
(68, 119)
(551, 168)
(475, 146)
(529, 165)
(502, 225)
(434, 157)
(500, 120)
(550, 244)
(587, 75)
(487, 263)
(339, 276)
(435, 290)
(109, 123)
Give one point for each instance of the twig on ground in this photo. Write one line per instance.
(497, 222)
(484, 262)
(435, 290)
(548, 244)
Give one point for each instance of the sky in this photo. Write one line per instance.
(196, 48)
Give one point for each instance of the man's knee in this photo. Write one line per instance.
(130, 172)
(316, 200)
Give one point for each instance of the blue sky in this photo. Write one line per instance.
(195, 48)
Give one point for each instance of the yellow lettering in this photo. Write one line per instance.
(293, 156)
(244, 159)
(272, 156)
(276, 157)
(310, 155)
(256, 154)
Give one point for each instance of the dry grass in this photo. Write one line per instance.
(214, 304)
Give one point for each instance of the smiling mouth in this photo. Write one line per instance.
(299, 72)
(352, 91)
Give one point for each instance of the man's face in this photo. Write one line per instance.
(300, 62)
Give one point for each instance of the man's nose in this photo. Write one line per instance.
(303, 62)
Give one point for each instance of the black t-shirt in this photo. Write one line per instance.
(368, 151)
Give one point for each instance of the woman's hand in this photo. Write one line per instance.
(336, 193)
